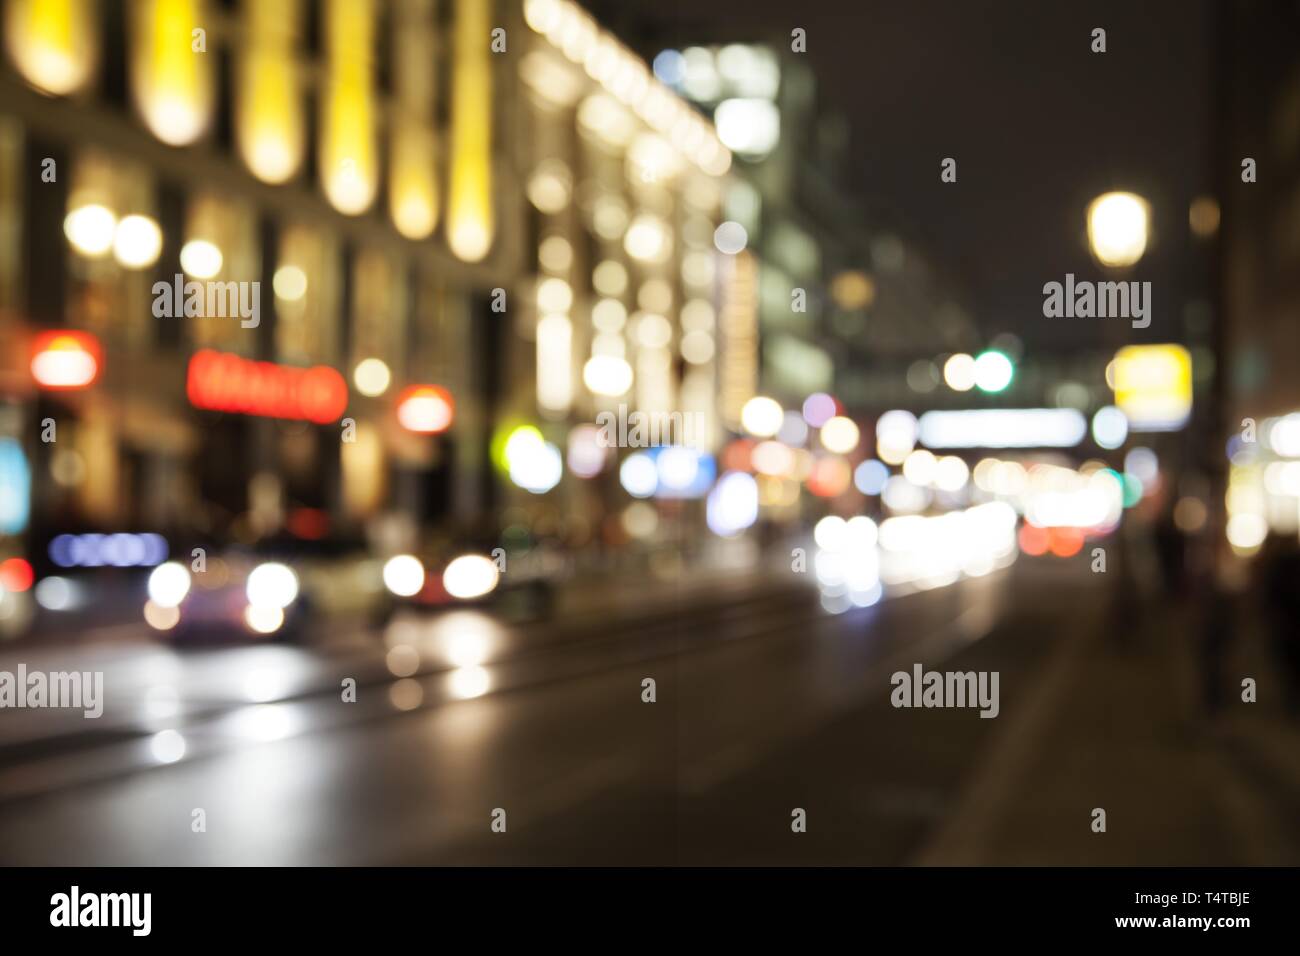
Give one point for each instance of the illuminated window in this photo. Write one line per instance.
(220, 249)
(13, 173)
(52, 42)
(172, 81)
(111, 227)
(305, 285)
(469, 216)
(379, 307)
(413, 188)
(268, 121)
(348, 162)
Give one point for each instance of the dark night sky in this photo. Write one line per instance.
(1037, 122)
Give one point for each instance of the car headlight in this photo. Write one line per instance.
(168, 584)
(470, 576)
(272, 585)
(263, 618)
(404, 575)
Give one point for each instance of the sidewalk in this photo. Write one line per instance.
(1117, 724)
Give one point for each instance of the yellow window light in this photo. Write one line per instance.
(413, 197)
(268, 121)
(347, 137)
(413, 188)
(469, 215)
(172, 77)
(555, 363)
(1153, 386)
(52, 43)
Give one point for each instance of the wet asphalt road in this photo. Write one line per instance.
(764, 704)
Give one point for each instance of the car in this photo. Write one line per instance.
(469, 579)
(231, 597)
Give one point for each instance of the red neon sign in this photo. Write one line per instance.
(224, 382)
(64, 359)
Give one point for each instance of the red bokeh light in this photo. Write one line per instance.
(736, 455)
(830, 477)
(65, 359)
(1065, 542)
(425, 409)
(1033, 540)
(16, 574)
(310, 524)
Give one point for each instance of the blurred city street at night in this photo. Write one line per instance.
(531, 432)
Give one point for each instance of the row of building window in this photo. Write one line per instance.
(284, 54)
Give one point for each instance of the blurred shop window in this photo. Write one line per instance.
(363, 472)
(90, 223)
(11, 214)
(137, 245)
(379, 308)
(306, 288)
(303, 457)
(738, 329)
(1285, 120)
(111, 224)
(96, 440)
(220, 252)
(436, 339)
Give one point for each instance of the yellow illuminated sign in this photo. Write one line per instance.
(1153, 386)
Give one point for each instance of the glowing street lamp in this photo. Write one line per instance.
(91, 229)
(762, 416)
(1118, 224)
(137, 242)
(959, 372)
(372, 377)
